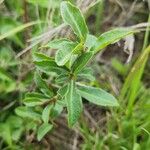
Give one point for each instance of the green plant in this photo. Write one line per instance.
(59, 79)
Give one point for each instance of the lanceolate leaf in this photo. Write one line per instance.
(57, 43)
(56, 110)
(63, 90)
(4, 75)
(74, 104)
(49, 67)
(45, 3)
(78, 49)
(73, 17)
(43, 130)
(33, 99)
(36, 95)
(97, 96)
(86, 73)
(33, 102)
(46, 113)
(90, 41)
(27, 113)
(64, 53)
(62, 78)
(41, 57)
(42, 85)
(81, 61)
(110, 37)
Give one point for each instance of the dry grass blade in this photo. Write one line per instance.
(41, 38)
(17, 29)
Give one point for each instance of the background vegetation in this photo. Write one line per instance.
(123, 69)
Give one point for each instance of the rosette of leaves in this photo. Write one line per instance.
(68, 68)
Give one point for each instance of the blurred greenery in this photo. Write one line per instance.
(127, 128)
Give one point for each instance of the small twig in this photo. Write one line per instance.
(8, 106)
(90, 117)
(26, 19)
(75, 141)
(41, 38)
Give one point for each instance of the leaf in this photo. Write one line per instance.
(64, 53)
(5, 133)
(36, 95)
(26, 112)
(97, 96)
(63, 90)
(74, 104)
(78, 49)
(32, 102)
(42, 85)
(57, 43)
(17, 29)
(14, 121)
(45, 3)
(49, 67)
(73, 17)
(81, 61)
(17, 133)
(41, 3)
(56, 110)
(62, 78)
(46, 113)
(110, 37)
(43, 130)
(86, 73)
(35, 101)
(65, 49)
(4, 75)
(41, 57)
(90, 41)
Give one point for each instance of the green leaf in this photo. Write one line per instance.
(41, 57)
(4, 75)
(45, 3)
(64, 53)
(86, 73)
(36, 95)
(62, 78)
(63, 90)
(43, 130)
(16, 134)
(41, 3)
(42, 85)
(74, 104)
(27, 112)
(46, 113)
(5, 133)
(90, 41)
(14, 121)
(81, 61)
(57, 43)
(56, 110)
(97, 96)
(73, 17)
(110, 37)
(78, 49)
(49, 67)
(34, 101)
